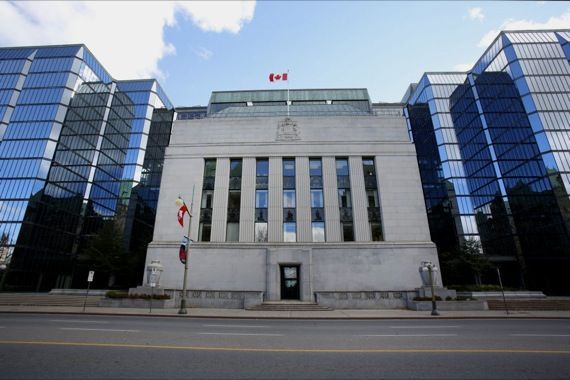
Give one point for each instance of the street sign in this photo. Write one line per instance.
(90, 277)
(153, 284)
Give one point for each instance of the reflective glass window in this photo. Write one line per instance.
(318, 230)
(232, 232)
(289, 198)
(261, 232)
(317, 199)
(261, 198)
(289, 232)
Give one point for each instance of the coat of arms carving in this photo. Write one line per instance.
(287, 130)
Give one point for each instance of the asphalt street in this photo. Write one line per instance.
(70, 346)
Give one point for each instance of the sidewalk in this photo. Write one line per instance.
(251, 314)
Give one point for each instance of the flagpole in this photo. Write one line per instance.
(288, 92)
(182, 309)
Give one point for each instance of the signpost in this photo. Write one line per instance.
(89, 281)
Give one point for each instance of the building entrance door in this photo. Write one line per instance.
(290, 282)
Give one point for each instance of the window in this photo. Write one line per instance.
(261, 232)
(315, 167)
(368, 166)
(376, 231)
(347, 232)
(317, 199)
(234, 199)
(235, 168)
(289, 199)
(261, 198)
(232, 232)
(344, 200)
(205, 229)
(342, 167)
(207, 199)
(210, 168)
(205, 232)
(289, 168)
(262, 168)
(318, 231)
(289, 232)
(372, 197)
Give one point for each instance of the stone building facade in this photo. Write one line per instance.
(319, 202)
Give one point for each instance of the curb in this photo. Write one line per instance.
(282, 318)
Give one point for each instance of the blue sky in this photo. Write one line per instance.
(382, 46)
(196, 48)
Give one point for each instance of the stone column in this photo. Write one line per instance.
(247, 210)
(330, 189)
(359, 203)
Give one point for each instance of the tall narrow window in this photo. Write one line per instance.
(317, 200)
(371, 185)
(344, 199)
(234, 200)
(289, 201)
(261, 199)
(205, 230)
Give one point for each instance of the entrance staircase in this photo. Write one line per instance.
(45, 299)
(289, 306)
(531, 304)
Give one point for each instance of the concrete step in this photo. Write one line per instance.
(535, 304)
(289, 306)
(45, 299)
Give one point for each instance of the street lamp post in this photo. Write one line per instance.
(180, 203)
(430, 268)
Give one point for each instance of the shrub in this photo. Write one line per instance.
(116, 294)
(437, 298)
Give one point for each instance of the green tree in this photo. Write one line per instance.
(105, 252)
(5, 256)
(466, 264)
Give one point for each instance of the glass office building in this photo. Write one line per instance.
(494, 153)
(77, 148)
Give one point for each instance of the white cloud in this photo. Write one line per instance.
(219, 16)
(476, 14)
(463, 67)
(555, 22)
(126, 37)
(204, 53)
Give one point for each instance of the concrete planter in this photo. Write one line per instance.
(448, 305)
(364, 300)
(136, 303)
(523, 294)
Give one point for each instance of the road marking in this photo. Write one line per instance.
(84, 329)
(423, 327)
(551, 335)
(293, 350)
(407, 335)
(225, 333)
(237, 326)
(76, 321)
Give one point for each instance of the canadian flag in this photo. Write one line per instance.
(275, 77)
(181, 213)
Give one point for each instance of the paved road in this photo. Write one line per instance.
(68, 346)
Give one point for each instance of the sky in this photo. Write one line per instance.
(194, 48)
